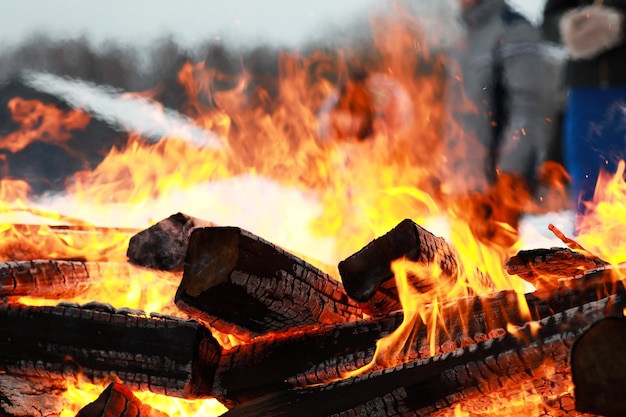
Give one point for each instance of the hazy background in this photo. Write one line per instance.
(135, 44)
(286, 22)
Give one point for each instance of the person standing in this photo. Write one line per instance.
(592, 33)
(512, 80)
(510, 76)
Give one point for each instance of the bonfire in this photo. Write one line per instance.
(241, 264)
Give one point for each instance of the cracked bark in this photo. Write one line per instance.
(283, 361)
(243, 285)
(56, 279)
(427, 386)
(162, 354)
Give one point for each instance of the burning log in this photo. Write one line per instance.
(24, 242)
(118, 401)
(547, 267)
(55, 279)
(243, 285)
(367, 275)
(424, 386)
(163, 354)
(164, 245)
(283, 361)
(598, 365)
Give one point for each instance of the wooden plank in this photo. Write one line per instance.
(162, 354)
(243, 285)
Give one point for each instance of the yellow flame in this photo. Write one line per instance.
(80, 394)
(601, 231)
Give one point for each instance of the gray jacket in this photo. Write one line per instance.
(513, 79)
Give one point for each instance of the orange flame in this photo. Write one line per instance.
(42, 122)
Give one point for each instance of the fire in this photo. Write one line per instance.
(81, 393)
(276, 177)
(601, 231)
(42, 122)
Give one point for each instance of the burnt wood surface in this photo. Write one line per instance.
(598, 365)
(162, 354)
(241, 284)
(368, 278)
(164, 245)
(30, 396)
(56, 279)
(118, 401)
(319, 355)
(546, 267)
(425, 386)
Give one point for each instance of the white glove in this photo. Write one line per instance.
(590, 30)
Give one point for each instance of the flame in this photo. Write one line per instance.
(81, 393)
(601, 230)
(41, 122)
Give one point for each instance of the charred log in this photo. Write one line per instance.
(118, 401)
(367, 274)
(425, 386)
(30, 397)
(599, 368)
(165, 355)
(546, 267)
(243, 285)
(164, 245)
(283, 361)
(55, 279)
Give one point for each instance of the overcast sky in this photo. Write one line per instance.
(283, 21)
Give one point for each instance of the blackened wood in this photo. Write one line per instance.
(243, 285)
(547, 267)
(363, 272)
(423, 386)
(307, 356)
(164, 245)
(281, 361)
(598, 364)
(56, 279)
(165, 355)
(367, 275)
(30, 397)
(118, 401)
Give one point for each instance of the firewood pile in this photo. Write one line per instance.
(304, 337)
